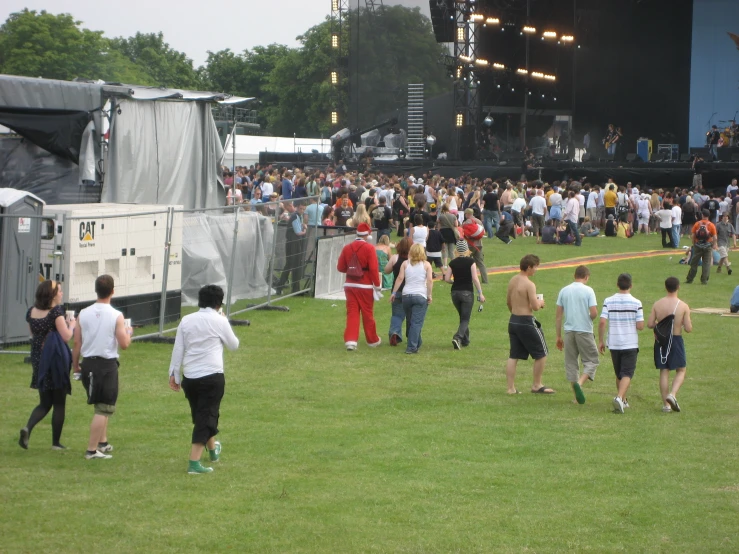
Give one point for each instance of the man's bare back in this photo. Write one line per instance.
(521, 298)
(664, 307)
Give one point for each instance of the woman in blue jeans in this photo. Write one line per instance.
(398, 314)
(416, 277)
(462, 273)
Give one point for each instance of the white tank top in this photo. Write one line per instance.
(415, 279)
(420, 234)
(98, 331)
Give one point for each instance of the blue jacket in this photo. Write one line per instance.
(56, 362)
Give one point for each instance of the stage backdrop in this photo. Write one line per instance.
(714, 74)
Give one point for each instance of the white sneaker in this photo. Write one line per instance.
(97, 455)
(375, 344)
(672, 401)
(618, 405)
(626, 403)
(666, 409)
(351, 346)
(106, 448)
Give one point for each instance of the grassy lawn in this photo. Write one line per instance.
(374, 451)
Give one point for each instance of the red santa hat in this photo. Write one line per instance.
(363, 230)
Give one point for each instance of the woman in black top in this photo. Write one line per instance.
(462, 273)
(44, 317)
(398, 313)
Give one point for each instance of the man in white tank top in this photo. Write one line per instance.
(100, 332)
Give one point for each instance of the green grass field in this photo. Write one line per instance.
(374, 451)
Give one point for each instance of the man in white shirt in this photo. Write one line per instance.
(576, 304)
(591, 205)
(677, 224)
(198, 351)
(571, 214)
(101, 331)
(624, 316)
(517, 209)
(267, 188)
(538, 207)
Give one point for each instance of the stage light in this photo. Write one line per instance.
(567, 38)
(465, 59)
(537, 74)
(550, 77)
(460, 120)
(498, 86)
(334, 40)
(431, 140)
(334, 118)
(498, 66)
(488, 121)
(481, 62)
(522, 71)
(334, 5)
(334, 78)
(550, 34)
(513, 89)
(476, 17)
(492, 21)
(529, 29)
(459, 72)
(460, 34)
(529, 93)
(542, 96)
(555, 98)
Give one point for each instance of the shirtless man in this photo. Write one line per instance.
(672, 358)
(524, 331)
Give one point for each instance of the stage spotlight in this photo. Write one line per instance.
(537, 74)
(567, 38)
(334, 78)
(476, 17)
(459, 72)
(481, 62)
(460, 120)
(401, 154)
(492, 21)
(529, 93)
(498, 86)
(431, 140)
(334, 117)
(334, 40)
(513, 89)
(460, 34)
(498, 66)
(521, 71)
(488, 121)
(528, 29)
(555, 98)
(334, 5)
(465, 59)
(543, 96)
(549, 34)
(550, 77)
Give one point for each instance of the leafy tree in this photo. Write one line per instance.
(165, 66)
(41, 44)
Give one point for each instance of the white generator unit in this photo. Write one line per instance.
(96, 239)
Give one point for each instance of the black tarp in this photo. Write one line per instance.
(56, 131)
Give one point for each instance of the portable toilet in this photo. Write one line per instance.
(20, 240)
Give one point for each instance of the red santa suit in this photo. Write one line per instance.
(359, 291)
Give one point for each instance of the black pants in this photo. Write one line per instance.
(47, 399)
(294, 254)
(204, 395)
(667, 234)
(463, 301)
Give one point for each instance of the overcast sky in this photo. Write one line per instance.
(196, 27)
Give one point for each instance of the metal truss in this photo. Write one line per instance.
(466, 82)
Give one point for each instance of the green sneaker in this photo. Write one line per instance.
(215, 454)
(195, 468)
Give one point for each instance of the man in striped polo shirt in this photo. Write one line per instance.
(625, 318)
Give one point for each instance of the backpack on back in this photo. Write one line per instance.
(354, 267)
(702, 233)
(663, 333)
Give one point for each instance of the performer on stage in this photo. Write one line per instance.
(733, 133)
(712, 138)
(609, 141)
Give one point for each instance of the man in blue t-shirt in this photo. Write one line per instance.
(734, 302)
(576, 304)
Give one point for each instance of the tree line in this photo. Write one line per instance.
(292, 84)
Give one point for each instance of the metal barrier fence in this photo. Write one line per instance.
(159, 258)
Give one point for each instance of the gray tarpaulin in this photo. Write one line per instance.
(164, 152)
(27, 92)
(207, 241)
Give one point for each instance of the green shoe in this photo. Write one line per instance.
(579, 395)
(195, 468)
(215, 454)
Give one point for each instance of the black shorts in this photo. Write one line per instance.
(100, 378)
(526, 338)
(448, 236)
(624, 362)
(675, 357)
(204, 395)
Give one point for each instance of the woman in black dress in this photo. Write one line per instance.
(44, 317)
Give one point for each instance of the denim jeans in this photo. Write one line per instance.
(396, 318)
(676, 236)
(611, 149)
(714, 151)
(575, 232)
(490, 220)
(463, 301)
(415, 307)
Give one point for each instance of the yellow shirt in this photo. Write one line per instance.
(621, 230)
(549, 202)
(610, 199)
